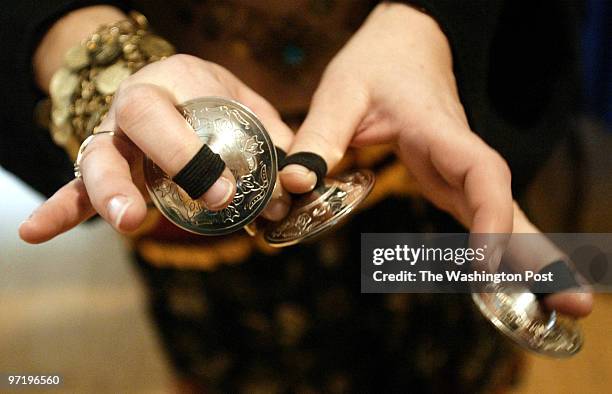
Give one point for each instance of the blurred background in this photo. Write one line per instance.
(75, 307)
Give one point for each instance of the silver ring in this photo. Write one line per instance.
(86, 142)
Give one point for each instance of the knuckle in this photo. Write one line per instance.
(134, 103)
(190, 65)
(183, 60)
(215, 68)
(499, 165)
(176, 156)
(93, 149)
(199, 69)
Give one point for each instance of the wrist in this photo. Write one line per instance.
(82, 89)
(65, 33)
(418, 30)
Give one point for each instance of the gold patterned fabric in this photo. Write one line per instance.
(237, 316)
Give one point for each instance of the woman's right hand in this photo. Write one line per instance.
(145, 121)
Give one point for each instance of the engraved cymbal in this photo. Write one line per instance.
(318, 211)
(516, 312)
(234, 132)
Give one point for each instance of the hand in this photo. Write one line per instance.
(144, 116)
(534, 252)
(393, 83)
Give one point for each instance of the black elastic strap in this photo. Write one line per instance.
(281, 155)
(200, 173)
(310, 160)
(563, 278)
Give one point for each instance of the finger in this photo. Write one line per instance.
(415, 156)
(483, 177)
(147, 115)
(337, 108)
(107, 177)
(529, 249)
(68, 207)
(577, 304)
(279, 204)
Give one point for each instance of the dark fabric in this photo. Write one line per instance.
(26, 149)
(200, 173)
(516, 67)
(597, 60)
(296, 322)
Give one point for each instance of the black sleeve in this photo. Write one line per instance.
(470, 27)
(25, 149)
(516, 66)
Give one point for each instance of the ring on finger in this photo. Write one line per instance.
(84, 145)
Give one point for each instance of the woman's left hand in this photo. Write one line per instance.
(394, 83)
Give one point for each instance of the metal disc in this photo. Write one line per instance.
(234, 132)
(319, 210)
(516, 312)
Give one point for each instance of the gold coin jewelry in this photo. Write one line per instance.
(81, 91)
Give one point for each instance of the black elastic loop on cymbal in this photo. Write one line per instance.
(563, 278)
(310, 160)
(200, 173)
(280, 156)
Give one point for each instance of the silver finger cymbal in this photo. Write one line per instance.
(234, 132)
(516, 312)
(314, 213)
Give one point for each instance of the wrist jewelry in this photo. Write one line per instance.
(81, 91)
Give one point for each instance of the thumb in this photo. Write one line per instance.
(337, 108)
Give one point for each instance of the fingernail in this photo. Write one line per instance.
(302, 172)
(29, 218)
(116, 208)
(22, 224)
(25, 221)
(32, 214)
(297, 169)
(219, 194)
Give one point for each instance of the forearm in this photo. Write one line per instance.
(67, 32)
